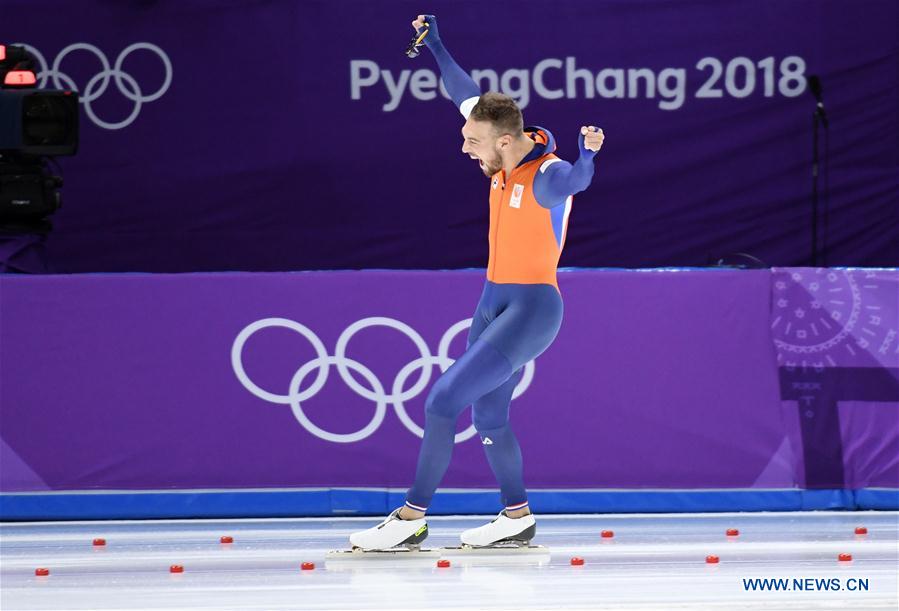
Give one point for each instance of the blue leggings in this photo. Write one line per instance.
(512, 325)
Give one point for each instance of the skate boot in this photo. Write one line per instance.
(503, 531)
(392, 532)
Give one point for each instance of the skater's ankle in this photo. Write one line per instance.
(410, 514)
(518, 513)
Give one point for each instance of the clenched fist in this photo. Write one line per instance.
(591, 138)
(431, 22)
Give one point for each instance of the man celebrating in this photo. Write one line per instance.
(520, 310)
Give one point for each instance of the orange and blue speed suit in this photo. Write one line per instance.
(520, 309)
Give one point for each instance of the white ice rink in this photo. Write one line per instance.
(653, 561)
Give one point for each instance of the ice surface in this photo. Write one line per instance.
(654, 561)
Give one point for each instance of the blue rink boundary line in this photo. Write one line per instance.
(302, 502)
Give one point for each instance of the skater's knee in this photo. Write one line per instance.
(489, 419)
(441, 400)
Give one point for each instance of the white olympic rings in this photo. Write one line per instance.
(97, 84)
(376, 392)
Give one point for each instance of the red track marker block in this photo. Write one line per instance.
(845, 557)
(227, 539)
(607, 534)
(99, 542)
(176, 568)
(577, 561)
(41, 572)
(443, 564)
(307, 566)
(861, 530)
(712, 559)
(733, 532)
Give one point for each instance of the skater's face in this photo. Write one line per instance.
(481, 142)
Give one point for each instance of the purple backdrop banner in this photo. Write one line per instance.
(658, 379)
(287, 135)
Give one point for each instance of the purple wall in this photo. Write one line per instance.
(248, 150)
(658, 379)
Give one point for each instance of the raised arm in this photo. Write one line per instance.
(459, 85)
(557, 179)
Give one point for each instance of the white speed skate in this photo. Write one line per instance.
(391, 533)
(503, 531)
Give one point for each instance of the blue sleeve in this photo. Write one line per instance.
(459, 85)
(556, 181)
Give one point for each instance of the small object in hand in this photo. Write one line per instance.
(417, 41)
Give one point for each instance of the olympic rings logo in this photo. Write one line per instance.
(96, 86)
(375, 391)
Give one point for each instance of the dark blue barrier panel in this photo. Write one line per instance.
(877, 498)
(346, 502)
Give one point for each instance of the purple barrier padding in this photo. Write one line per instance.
(14, 473)
(658, 379)
(835, 332)
(238, 149)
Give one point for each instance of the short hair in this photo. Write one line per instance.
(500, 111)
